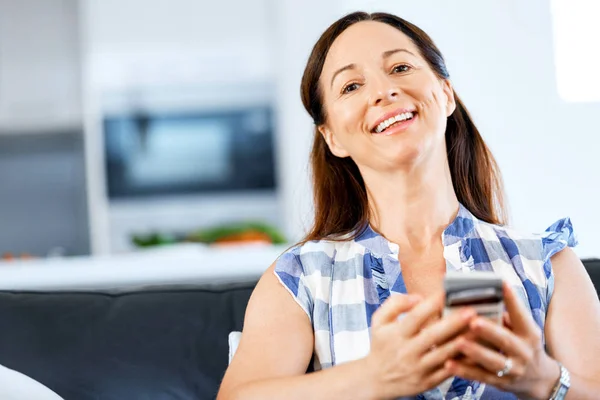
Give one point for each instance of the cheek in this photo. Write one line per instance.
(348, 116)
(428, 94)
(432, 106)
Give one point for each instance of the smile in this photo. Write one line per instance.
(398, 119)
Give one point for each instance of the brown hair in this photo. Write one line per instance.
(340, 197)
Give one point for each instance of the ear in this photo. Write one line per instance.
(450, 100)
(334, 146)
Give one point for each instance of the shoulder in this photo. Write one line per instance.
(529, 254)
(305, 270)
(301, 263)
(536, 245)
(310, 265)
(316, 255)
(526, 259)
(307, 256)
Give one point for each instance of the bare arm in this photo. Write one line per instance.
(275, 350)
(278, 342)
(573, 325)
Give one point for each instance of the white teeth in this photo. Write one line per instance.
(400, 117)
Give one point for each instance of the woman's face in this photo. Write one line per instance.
(385, 106)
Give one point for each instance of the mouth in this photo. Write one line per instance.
(398, 120)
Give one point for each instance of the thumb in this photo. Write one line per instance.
(518, 316)
(392, 307)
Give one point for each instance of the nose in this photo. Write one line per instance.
(384, 92)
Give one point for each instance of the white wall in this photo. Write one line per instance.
(576, 32)
(298, 26)
(40, 80)
(500, 56)
(157, 42)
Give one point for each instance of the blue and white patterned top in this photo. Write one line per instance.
(340, 284)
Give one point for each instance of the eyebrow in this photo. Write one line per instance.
(339, 71)
(387, 54)
(384, 55)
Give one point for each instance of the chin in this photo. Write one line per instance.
(404, 154)
(408, 158)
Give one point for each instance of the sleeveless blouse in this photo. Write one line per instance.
(339, 285)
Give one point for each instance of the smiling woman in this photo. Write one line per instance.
(363, 97)
(405, 190)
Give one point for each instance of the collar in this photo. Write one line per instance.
(460, 227)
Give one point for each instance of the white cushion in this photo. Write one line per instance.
(234, 341)
(16, 386)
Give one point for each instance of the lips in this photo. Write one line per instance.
(398, 119)
(392, 118)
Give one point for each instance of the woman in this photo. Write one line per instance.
(406, 190)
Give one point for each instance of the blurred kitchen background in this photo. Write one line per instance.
(169, 120)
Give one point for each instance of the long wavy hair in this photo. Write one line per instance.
(340, 196)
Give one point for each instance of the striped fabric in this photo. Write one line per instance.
(340, 284)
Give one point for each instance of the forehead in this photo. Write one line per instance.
(363, 42)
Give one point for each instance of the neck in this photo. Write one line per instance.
(412, 208)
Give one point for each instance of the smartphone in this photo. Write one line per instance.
(481, 290)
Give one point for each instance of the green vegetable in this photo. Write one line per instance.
(211, 235)
(153, 239)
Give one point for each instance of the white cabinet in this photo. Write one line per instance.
(177, 43)
(40, 68)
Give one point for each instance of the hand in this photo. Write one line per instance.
(533, 373)
(407, 357)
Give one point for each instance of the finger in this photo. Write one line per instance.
(487, 358)
(414, 321)
(436, 377)
(500, 337)
(444, 329)
(520, 317)
(474, 373)
(437, 356)
(392, 307)
(506, 321)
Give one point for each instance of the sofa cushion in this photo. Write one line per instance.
(153, 344)
(160, 344)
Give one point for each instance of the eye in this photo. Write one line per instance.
(400, 68)
(351, 87)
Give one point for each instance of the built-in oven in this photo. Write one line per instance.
(154, 153)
